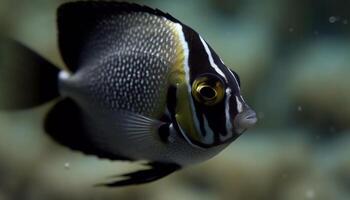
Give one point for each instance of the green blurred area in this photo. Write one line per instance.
(293, 58)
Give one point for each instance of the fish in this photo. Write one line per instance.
(139, 85)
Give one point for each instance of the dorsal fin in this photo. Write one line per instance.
(77, 19)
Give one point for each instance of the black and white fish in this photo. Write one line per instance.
(140, 85)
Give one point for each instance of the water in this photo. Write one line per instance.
(293, 60)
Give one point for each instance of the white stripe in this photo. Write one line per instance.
(211, 60)
(222, 61)
(243, 99)
(186, 53)
(63, 75)
(235, 79)
(209, 137)
(187, 75)
(227, 116)
(239, 105)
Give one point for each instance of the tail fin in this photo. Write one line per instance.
(26, 79)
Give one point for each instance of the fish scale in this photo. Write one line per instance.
(117, 88)
(128, 33)
(140, 46)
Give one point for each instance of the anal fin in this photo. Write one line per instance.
(64, 124)
(158, 170)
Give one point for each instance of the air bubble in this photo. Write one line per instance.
(67, 165)
(333, 19)
(261, 115)
(310, 194)
(300, 109)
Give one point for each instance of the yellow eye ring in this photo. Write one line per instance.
(208, 90)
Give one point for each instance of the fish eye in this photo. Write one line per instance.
(208, 90)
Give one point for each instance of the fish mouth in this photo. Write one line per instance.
(245, 120)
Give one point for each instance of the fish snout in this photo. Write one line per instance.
(244, 120)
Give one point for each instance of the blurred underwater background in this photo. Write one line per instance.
(293, 58)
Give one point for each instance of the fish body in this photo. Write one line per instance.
(132, 72)
(141, 85)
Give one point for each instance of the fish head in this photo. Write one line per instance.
(211, 110)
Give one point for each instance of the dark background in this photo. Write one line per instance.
(293, 59)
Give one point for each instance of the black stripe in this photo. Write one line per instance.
(231, 80)
(198, 58)
(171, 105)
(199, 64)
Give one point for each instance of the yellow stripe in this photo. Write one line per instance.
(177, 77)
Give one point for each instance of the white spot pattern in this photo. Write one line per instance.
(128, 61)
